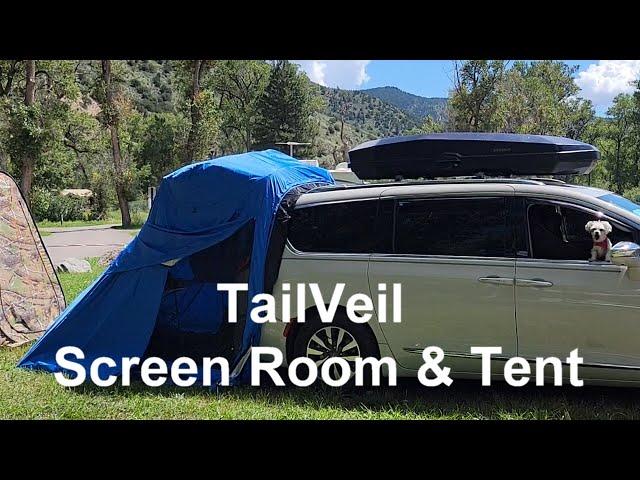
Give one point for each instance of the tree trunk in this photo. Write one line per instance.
(112, 124)
(190, 150)
(120, 190)
(28, 162)
(617, 169)
(248, 139)
(345, 145)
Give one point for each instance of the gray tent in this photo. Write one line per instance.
(30, 293)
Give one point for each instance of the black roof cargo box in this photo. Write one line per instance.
(468, 154)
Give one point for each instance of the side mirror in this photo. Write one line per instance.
(627, 254)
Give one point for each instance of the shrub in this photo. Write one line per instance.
(138, 210)
(103, 196)
(52, 206)
(40, 203)
(68, 208)
(633, 194)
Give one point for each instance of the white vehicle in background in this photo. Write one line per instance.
(483, 261)
(343, 175)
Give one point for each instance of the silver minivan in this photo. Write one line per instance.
(482, 262)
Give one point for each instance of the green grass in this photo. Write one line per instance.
(74, 283)
(27, 394)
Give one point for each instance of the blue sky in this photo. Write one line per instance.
(599, 80)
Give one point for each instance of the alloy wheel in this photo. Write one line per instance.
(333, 342)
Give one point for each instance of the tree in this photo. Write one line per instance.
(340, 151)
(429, 125)
(36, 99)
(108, 97)
(286, 107)
(475, 93)
(239, 85)
(540, 98)
(617, 137)
(202, 111)
(161, 144)
(9, 72)
(85, 137)
(198, 69)
(636, 133)
(621, 133)
(529, 97)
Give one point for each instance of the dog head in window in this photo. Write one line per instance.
(598, 229)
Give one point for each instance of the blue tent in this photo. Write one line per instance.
(229, 201)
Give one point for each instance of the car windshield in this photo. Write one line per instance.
(622, 202)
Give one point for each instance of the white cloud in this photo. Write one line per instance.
(336, 73)
(602, 81)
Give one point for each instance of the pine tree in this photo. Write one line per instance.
(285, 108)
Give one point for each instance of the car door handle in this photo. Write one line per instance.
(494, 280)
(534, 282)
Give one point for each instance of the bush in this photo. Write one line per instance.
(633, 194)
(103, 196)
(52, 206)
(69, 208)
(40, 203)
(139, 211)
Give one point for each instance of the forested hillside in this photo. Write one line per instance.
(413, 105)
(117, 127)
(351, 117)
(359, 115)
(152, 84)
(365, 113)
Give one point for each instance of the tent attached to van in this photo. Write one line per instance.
(211, 222)
(30, 294)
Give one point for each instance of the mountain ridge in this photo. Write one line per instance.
(351, 117)
(414, 105)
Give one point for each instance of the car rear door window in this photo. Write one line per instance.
(345, 227)
(474, 227)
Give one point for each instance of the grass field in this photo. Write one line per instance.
(25, 394)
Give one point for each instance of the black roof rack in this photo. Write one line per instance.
(550, 181)
(452, 180)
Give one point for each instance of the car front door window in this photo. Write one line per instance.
(557, 232)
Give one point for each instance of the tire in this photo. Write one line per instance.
(313, 329)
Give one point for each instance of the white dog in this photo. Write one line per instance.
(601, 244)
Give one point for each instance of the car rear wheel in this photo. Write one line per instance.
(340, 338)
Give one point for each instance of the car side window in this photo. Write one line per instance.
(474, 227)
(557, 232)
(346, 227)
